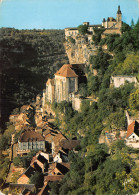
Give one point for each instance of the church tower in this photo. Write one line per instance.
(119, 18)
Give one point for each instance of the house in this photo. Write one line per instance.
(118, 80)
(30, 140)
(58, 168)
(61, 168)
(56, 142)
(22, 189)
(60, 156)
(133, 132)
(24, 178)
(40, 161)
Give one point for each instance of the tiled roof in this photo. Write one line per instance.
(32, 135)
(133, 128)
(53, 178)
(66, 71)
(58, 138)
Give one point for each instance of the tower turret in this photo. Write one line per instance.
(119, 17)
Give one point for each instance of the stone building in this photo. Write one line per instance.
(64, 85)
(111, 25)
(133, 132)
(30, 140)
(112, 22)
(117, 81)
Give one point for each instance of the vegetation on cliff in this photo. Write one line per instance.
(96, 169)
(28, 59)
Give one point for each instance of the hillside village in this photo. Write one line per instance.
(43, 145)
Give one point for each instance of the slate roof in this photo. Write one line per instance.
(133, 128)
(66, 71)
(32, 135)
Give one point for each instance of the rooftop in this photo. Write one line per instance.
(133, 128)
(31, 136)
(53, 178)
(66, 71)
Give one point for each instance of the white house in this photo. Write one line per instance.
(133, 132)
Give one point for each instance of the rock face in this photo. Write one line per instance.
(79, 52)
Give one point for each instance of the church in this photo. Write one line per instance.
(65, 83)
(111, 26)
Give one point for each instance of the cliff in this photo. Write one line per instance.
(80, 51)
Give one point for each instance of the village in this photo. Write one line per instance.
(38, 133)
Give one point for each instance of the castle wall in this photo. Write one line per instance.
(49, 92)
(117, 81)
(76, 103)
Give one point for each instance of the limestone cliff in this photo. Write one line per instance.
(80, 51)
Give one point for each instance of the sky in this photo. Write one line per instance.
(60, 14)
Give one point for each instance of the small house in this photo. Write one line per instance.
(133, 132)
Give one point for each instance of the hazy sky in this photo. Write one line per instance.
(59, 14)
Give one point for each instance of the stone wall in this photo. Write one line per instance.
(130, 119)
(117, 81)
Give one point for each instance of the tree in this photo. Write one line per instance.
(71, 40)
(3, 142)
(37, 179)
(129, 66)
(82, 29)
(18, 161)
(134, 100)
(116, 120)
(125, 27)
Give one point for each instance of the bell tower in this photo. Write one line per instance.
(119, 18)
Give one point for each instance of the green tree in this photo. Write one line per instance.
(37, 179)
(18, 161)
(83, 29)
(134, 100)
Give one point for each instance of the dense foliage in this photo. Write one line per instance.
(28, 59)
(83, 29)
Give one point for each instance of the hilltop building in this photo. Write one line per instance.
(111, 25)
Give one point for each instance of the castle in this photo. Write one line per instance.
(111, 26)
